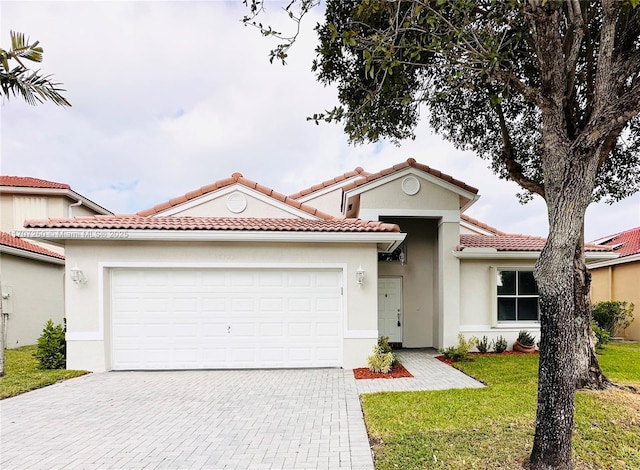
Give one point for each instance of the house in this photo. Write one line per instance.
(32, 271)
(236, 275)
(619, 278)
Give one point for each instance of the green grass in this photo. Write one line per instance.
(493, 427)
(22, 374)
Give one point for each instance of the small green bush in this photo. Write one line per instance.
(383, 358)
(613, 315)
(601, 335)
(526, 339)
(460, 352)
(500, 345)
(484, 345)
(52, 347)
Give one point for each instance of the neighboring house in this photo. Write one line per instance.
(619, 279)
(236, 275)
(32, 271)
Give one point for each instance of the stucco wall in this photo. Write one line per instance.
(89, 336)
(619, 282)
(478, 310)
(391, 196)
(217, 207)
(36, 295)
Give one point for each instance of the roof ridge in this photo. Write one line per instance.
(236, 178)
(358, 171)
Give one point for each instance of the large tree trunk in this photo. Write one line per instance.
(589, 374)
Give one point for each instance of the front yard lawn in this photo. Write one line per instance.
(493, 427)
(22, 374)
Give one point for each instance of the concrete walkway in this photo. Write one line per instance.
(428, 374)
(249, 419)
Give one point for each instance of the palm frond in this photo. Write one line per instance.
(20, 48)
(33, 87)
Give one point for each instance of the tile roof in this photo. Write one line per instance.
(482, 225)
(235, 178)
(411, 162)
(133, 222)
(625, 243)
(325, 184)
(19, 243)
(28, 182)
(508, 242)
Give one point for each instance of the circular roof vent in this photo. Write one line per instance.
(410, 185)
(236, 202)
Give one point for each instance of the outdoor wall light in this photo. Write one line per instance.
(77, 276)
(360, 275)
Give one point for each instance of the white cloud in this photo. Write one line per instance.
(170, 96)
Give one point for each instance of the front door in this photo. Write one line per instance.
(390, 308)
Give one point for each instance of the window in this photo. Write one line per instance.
(517, 294)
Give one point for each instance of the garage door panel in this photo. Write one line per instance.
(211, 318)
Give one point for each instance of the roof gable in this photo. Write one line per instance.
(227, 186)
(467, 194)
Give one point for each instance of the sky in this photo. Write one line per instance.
(171, 96)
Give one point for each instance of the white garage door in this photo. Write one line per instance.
(225, 319)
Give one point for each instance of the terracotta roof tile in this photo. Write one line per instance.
(411, 162)
(239, 179)
(512, 243)
(325, 184)
(482, 225)
(625, 243)
(133, 222)
(28, 182)
(15, 242)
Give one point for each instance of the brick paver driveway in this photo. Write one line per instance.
(273, 419)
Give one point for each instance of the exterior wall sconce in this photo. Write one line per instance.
(77, 276)
(402, 257)
(360, 276)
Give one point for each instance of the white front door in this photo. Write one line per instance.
(390, 308)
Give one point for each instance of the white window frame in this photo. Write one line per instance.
(495, 271)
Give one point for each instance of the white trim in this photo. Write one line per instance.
(445, 215)
(56, 192)
(613, 262)
(361, 334)
(411, 171)
(501, 327)
(329, 189)
(236, 187)
(87, 234)
(11, 250)
(492, 253)
(84, 336)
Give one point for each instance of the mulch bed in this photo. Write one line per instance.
(506, 353)
(397, 372)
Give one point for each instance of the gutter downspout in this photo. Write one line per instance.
(71, 206)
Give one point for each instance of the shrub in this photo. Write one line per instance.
(526, 339)
(383, 358)
(52, 347)
(500, 345)
(460, 352)
(613, 315)
(601, 335)
(484, 345)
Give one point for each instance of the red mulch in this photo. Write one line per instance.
(396, 373)
(506, 353)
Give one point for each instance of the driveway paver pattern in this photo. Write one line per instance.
(237, 419)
